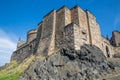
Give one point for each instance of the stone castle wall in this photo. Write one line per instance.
(81, 25)
(107, 48)
(47, 34)
(63, 18)
(79, 18)
(24, 51)
(71, 37)
(115, 40)
(94, 30)
(65, 28)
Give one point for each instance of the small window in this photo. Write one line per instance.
(118, 44)
(30, 47)
(83, 32)
(84, 35)
(107, 51)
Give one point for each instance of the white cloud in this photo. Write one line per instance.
(7, 46)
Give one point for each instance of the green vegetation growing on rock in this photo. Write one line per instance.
(15, 69)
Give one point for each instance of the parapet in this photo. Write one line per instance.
(32, 31)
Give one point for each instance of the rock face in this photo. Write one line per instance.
(117, 52)
(87, 64)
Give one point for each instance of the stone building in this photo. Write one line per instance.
(65, 28)
(115, 40)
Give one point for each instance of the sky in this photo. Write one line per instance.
(17, 17)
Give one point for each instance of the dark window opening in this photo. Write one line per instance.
(83, 32)
(84, 35)
(118, 44)
(30, 48)
(107, 51)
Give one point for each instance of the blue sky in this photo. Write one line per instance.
(19, 16)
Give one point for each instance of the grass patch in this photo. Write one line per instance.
(15, 69)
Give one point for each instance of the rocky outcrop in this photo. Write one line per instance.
(4, 66)
(117, 52)
(87, 64)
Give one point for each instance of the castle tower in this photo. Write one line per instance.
(115, 40)
(31, 35)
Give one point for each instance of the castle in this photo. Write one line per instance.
(65, 28)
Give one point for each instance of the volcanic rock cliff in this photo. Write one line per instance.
(87, 64)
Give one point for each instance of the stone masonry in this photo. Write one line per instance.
(115, 40)
(65, 28)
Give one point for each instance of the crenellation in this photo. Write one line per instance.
(65, 28)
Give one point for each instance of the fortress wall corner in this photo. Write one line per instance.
(75, 16)
(94, 30)
(71, 37)
(84, 31)
(67, 16)
(77, 37)
(52, 43)
(79, 18)
(63, 18)
(47, 34)
(39, 32)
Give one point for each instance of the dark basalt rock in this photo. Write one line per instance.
(87, 64)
